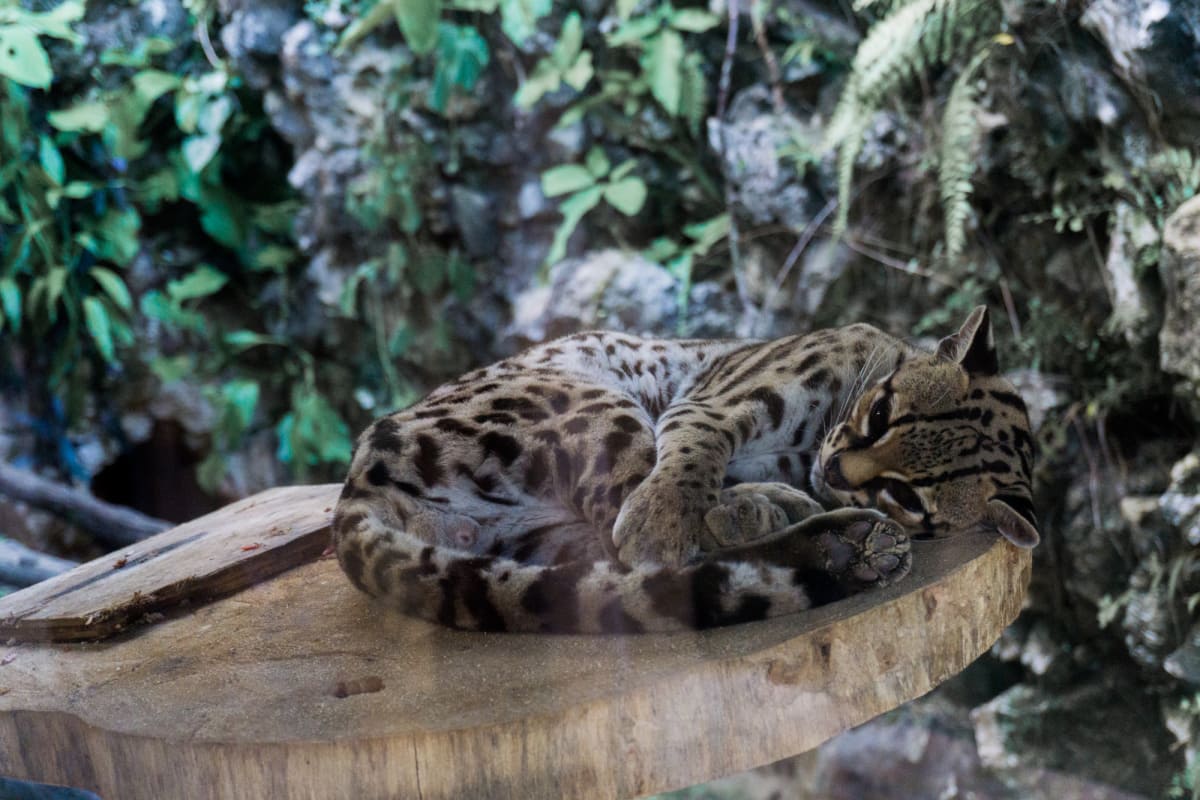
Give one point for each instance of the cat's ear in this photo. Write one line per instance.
(973, 346)
(1019, 527)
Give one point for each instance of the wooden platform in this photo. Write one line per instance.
(301, 687)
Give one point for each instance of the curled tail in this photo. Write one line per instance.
(495, 593)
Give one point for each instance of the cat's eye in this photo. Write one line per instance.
(904, 496)
(877, 417)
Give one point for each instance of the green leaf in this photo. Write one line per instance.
(10, 303)
(518, 18)
(283, 430)
(623, 169)
(693, 20)
(579, 73)
(224, 219)
(151, 84)
(564, 179)
(117, 236)
(573, 210)
(244, 339)
(96, 318)
(157, 187)
(214, 113)
(693, 95)
(625, 8)
(51, 159)
(169, 369)
(545, 79)
(661, 249)
(77, 190)
(155, 305)
(199, 150)
(570, 41)
(240, 398)
(462, 55)
(597, 162)
(418, 20)
(112, 284)
(89, 116)
(56, 22)
(141, 55)
(626, 196)
(312, 432)
(567, 63)
(273, 258)
(22, 57)
(662, 66)
(55, 282)
(635, 31)
(200, 282)
(380, 13)
(705, 234)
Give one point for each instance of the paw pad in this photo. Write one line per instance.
(867, 552)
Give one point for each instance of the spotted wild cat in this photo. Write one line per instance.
(605, 482)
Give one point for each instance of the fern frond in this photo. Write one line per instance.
(960, 126)
(693, 94)
(914, 36)
(847, 155)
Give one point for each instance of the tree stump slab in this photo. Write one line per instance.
(299, 686)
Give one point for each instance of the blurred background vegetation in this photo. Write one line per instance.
(232, 232)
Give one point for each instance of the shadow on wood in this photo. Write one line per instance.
(301, 687)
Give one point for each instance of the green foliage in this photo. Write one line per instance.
(960, 122)
(419, 20)
(462, 55)
(647, 74)
(586, 185)
(568, 63)
(912, 37)
(85, 180)
(1170, 178)
(312, 432)
(664, 72)
(23, 60)
(680, 258)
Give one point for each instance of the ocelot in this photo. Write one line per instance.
(609, 483)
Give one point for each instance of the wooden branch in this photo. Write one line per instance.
(23, 566)
(115, 526)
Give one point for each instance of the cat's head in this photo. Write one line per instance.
(942, 444)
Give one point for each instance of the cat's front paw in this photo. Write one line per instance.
(864, 548)
(660, 523)
(749, 511)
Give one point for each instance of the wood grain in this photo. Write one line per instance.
(301, 687)
(211, 556)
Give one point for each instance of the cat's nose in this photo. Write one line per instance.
(833, 474)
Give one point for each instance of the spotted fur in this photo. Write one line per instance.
(604, 482)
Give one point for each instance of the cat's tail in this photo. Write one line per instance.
(493, 593)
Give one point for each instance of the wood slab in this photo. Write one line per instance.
(301, 687)
(211, 556)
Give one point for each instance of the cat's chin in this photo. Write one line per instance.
(821, 491)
